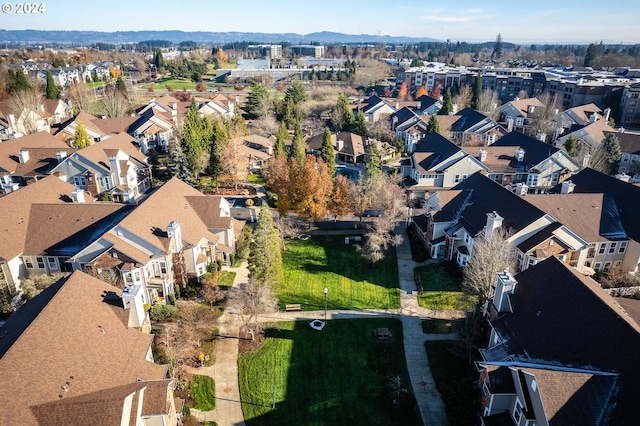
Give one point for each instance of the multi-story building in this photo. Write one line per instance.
(308, 50)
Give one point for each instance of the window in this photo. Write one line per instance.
(623, 247)
(625, 158)
(456, 179)
(53, 265)
(612, 248)
(28, 262)
(159, 269)
(40, 262)
(602, 248)
(607, 265)
(104, 182)
(517, 412)
(597, 266)
(79, 181)
(592, 251)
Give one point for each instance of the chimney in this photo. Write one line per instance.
(510, 123)
(593, 118)
(12, 122)
(521, 189)
(114, 165)
(397, 105)
(132, 300)
(607, 114)
(567, 187)
(520, 155)
(61, 156)
(542, 137)
(586, 160)
(77, 195)
(23, 156)
(505, 285)
(339, 145)
(419, 105)
(494, 221)
(623, 177)
(482, 155)
(173, 230)
(531, 109)
(621, 129)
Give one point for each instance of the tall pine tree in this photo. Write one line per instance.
(433, 125)
(328, 152)
(265, 258)
(179, 165)
(280, 147)
(297, 149)
(373, 161)
(51, 91)
(447, 104)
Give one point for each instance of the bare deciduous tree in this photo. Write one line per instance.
(370, 71)
(210, 289)
(491, 254)
(490, 103)
(115, 104)
(463, 98)
(250, 300)
(543, 119)
(81, 98)
(25, 105)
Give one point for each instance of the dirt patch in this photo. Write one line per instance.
(251, 337)
(418, 251)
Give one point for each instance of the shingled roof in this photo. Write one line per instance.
(70, 341)
(563, 318)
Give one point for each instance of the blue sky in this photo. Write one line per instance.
(560, 21)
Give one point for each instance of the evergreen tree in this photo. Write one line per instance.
(280, 147)
(328, 152)
(265, 258)
(476, 101)
(606, 156)
(447, 104)
(433, 125)
(257, 101)
(121, 86)
(372, 164)
(297, 149)
(18, 81)
(360, 125)
(497, 47)
(51, 91)
(343, 115)
(158, 60)
(570, 145)
(219, 146)
(81, 138)
(295, 93)
(179, 165)
(196, 139)
(590, 55)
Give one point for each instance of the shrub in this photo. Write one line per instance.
(172, 299)
(147, 306)
(161, 312)
(105, 196)
(177, 291)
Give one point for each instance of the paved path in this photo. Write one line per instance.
(228, 411)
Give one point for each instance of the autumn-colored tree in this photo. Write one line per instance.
(422, 91)
(200, 87)
(312, 189)
(340, 203)
(435, 93)
(403, 93)
(81, 138)
(279, 180)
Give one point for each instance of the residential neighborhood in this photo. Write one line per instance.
(410, 231)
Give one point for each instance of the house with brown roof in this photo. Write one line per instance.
(349, 147)
(75, 355)
(174, 234)
(24, 123)
(28, 158)
(472, 128)
(66, 131)
(517, 114)
(478, 207)
(115, 166)
(532, 327)
(220, 106)
(15, 210)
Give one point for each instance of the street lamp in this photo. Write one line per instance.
(326, 290)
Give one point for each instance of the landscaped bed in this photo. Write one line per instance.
(340, 375)
(441, 289)
(226, 279)
(455, 379)
(321, 262)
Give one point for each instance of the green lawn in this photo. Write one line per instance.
(337, 376)
(455, 380)
(175, 84)
(226, 279)
(352, 283)
(256, 179)
(203, 392)
(439, 326)
(441, 289)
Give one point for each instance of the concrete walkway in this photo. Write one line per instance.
(427, 396)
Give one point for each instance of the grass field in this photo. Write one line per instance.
(226, 279)
(454, 378)
(162, 84)
(337, 376)
(203, 391)
(352, 283)
(440, 326)
(441, 290)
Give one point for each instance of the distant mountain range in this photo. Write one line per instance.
(88, 37)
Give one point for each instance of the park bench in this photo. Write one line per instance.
(292, 307)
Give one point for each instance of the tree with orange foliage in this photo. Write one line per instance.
(312, 189)
(422, 91)
(435, 93)
(403, 93)
(340, 203)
